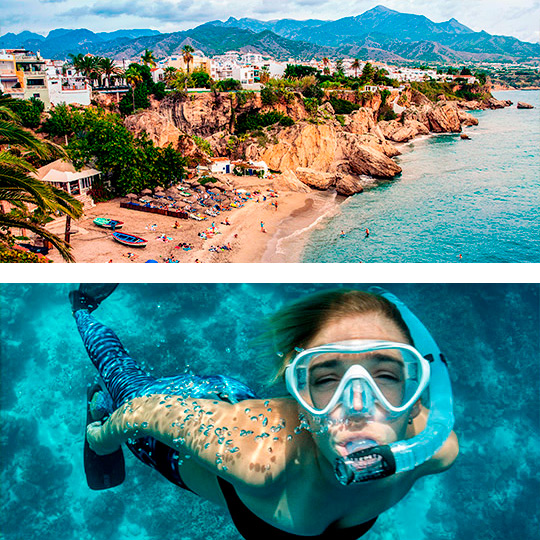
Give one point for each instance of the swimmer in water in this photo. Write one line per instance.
(347, 444)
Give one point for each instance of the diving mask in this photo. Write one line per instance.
(360, 390)
(373, 379)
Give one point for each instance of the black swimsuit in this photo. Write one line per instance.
(252, 527)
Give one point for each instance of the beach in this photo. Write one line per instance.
(247, 239)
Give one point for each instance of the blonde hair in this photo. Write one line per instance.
(295, 325)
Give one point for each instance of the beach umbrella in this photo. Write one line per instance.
(159, 189)
(146, 192)
(131, 196)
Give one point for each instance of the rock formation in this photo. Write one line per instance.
(523, 105)
(318, 151)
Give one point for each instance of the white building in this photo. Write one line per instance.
(66, 85)
(63, 175)
(251, 59)
(220, 165)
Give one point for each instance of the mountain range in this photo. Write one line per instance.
(378, 34)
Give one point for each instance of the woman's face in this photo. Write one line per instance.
(332, 441)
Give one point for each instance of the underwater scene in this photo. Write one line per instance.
(489, 334)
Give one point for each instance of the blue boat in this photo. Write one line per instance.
(108, 223)
(129, 239)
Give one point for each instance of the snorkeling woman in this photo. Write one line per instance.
(370, 412)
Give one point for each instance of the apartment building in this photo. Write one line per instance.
(23, 75)
(66, 85)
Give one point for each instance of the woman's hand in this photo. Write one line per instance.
(99, 441)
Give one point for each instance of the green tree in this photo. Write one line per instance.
(169, 74)
(19, 188)
(187, 51)
(148, 58)
(133, 78)
(367, 73)
(28, 111)
(131, 164)
(200, 79)
(109, 69)
(228, 85)
(356, 66)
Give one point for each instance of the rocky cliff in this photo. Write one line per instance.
(320, 151)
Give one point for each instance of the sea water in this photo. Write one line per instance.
(456, 200)
(488, 333)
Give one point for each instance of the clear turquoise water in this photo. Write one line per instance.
(489, 333)
(477, 198)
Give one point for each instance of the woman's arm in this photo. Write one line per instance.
(243, 443)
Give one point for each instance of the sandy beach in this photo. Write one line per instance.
(248, 243)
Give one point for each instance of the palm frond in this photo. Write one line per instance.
(15, 135)
(10, 222)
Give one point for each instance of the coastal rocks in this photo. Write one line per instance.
(302, 145)
(402, 132)
(347, 184)
(493, 103)
(419, 99)
(358, 159)
(379, 143)
(360, 121)
(321, 148)
(201, 114)
(523, 105)
(471, 105)
(314, 178)
(287, 181)
(467, 119)
(443, 118)
(160, 130)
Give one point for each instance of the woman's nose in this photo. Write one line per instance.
(357, 396)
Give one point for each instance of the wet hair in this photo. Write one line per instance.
(295, 325)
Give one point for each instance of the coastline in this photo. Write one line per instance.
(287, 227)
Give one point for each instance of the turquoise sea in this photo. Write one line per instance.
(489, 334)
(456, 200)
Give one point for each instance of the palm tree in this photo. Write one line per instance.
(109, 69)
(169, 74)
(133, 77)
(188, 57)
(356, 66)
(88, 66)
(19, 188)
(148, 58)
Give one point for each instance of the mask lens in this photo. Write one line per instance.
(394, 372)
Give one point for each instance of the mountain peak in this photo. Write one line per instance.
(380, 9)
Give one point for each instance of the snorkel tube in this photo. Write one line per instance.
(384, 460)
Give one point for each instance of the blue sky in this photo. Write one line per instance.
(518, 18)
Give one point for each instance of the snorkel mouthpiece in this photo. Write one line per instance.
(364, 465)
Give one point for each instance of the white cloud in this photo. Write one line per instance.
(517, 18)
